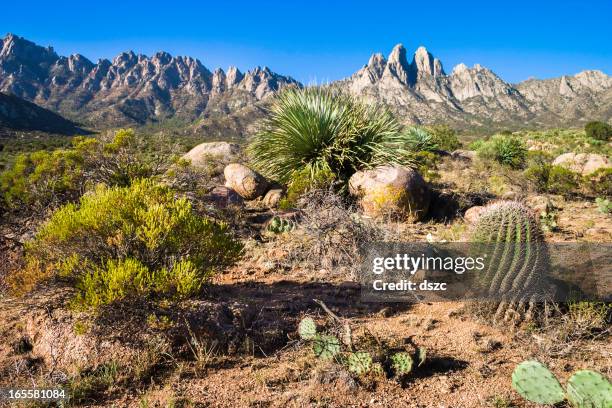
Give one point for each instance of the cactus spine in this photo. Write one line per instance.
(325, 346)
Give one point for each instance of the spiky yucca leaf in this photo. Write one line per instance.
(319, 129)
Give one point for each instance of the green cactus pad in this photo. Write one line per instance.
(536, 383)
(307, 328)
(589, 389)
(325, 346)
(359, 363)
(378, 370)
(401, 363)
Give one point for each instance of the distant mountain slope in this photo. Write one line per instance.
(135, 89)
(18, 114)
(421, 92)
(130, 89)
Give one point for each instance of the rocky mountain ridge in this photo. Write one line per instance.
(131, 88)
(420, 91)
(135, 89)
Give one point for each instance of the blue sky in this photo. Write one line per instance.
(321, 41)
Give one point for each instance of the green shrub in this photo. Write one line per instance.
(538, 175)
(598, 130)
(319, 129)
(604, 205)
(599, 183)
(133, 240)
(444, 137)
(563, 181)
(50, 178)
(419, 140)
(302, 182)
(506, 150)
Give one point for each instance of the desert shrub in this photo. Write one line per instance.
(320, 129)
(419, 140)
(604, 205)
(302, 182)
(562, 181)
(138, 239)
(506, 150)
(44, 179)
(599, 183)
(333, 237)
(538, 175)
(444, 137)
(598, 130)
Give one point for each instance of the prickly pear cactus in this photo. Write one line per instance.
(359, 363)
(536, 383)
(589, 389)
(325, 346)
(279, 225)
(307, 328)
(510, 235)
(401, 363)
(378, 370)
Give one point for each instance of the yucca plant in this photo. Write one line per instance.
(319, 129)
(419, 140)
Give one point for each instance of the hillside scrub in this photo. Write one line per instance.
(507, 150)
(321, 130)
(138, 239)
(48, 179)
(598, 130)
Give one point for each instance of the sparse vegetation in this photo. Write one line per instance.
(507, 150)
(120, 241)
(598, 130)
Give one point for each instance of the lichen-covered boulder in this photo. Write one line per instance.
(583, 163)
(392, 191)
(201, 155)
(245, 181)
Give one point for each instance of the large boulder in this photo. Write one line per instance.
(583, 163)
(246, 182)
(201, 155)
(394, 191)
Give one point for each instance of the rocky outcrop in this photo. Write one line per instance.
(391, 191)
(129, 89)
(246, 182)
(583, 163)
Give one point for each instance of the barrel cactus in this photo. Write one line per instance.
(510, 236)
(585, 389)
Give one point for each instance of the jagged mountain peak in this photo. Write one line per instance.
(129, 88)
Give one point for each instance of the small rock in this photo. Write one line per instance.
(463, 155)
(246, 182)
(272, 198)
(223, 197)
